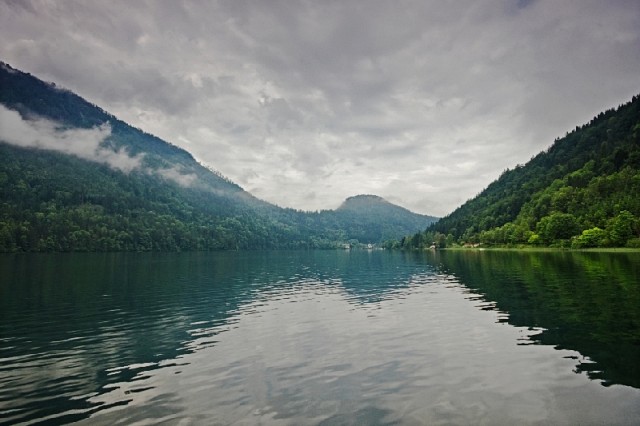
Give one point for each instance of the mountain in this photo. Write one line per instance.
(368, 211)
(583, 191)
(365, 202)
(359, 219)
(75, 178)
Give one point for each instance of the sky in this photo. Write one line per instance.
(305, 103)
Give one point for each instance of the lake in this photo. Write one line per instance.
(320, 337)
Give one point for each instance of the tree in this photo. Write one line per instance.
(594, 237)
(621, 227)
(557, 226)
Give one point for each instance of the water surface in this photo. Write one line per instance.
(320, 337)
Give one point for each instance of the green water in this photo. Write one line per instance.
(320, 337)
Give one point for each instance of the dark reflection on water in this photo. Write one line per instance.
(318, 337)
(585, 301)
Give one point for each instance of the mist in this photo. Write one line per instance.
(44, 134)
(87, 144)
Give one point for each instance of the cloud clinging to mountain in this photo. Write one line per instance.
(87, 144)
(83, 143)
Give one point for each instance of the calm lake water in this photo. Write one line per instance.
(320, 337)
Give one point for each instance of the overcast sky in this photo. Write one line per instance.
(304, 103)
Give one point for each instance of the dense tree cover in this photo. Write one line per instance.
(584, 191)
(56, 202)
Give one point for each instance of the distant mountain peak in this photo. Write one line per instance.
(368, 198)
(368, 203)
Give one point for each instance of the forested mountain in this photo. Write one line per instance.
(363, 219)
(369, 210)
(584, 191)
(75, 178)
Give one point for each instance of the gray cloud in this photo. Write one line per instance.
(305, 103)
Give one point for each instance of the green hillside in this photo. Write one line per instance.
(584, 191)
(75, 178)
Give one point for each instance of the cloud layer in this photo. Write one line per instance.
(82, 143)
(305, 103)
(87, 144)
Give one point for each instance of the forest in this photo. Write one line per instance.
(582, 192)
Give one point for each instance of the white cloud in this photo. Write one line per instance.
(177, 175)
(48, 135)
(87, 144)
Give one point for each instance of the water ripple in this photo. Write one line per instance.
(280, 338)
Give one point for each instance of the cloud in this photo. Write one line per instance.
(86, 144)
(82, 143)
(177, 175)
(340, 98)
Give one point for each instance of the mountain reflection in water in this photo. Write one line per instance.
(585, 301)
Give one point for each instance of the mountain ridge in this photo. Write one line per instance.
(76, 178)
